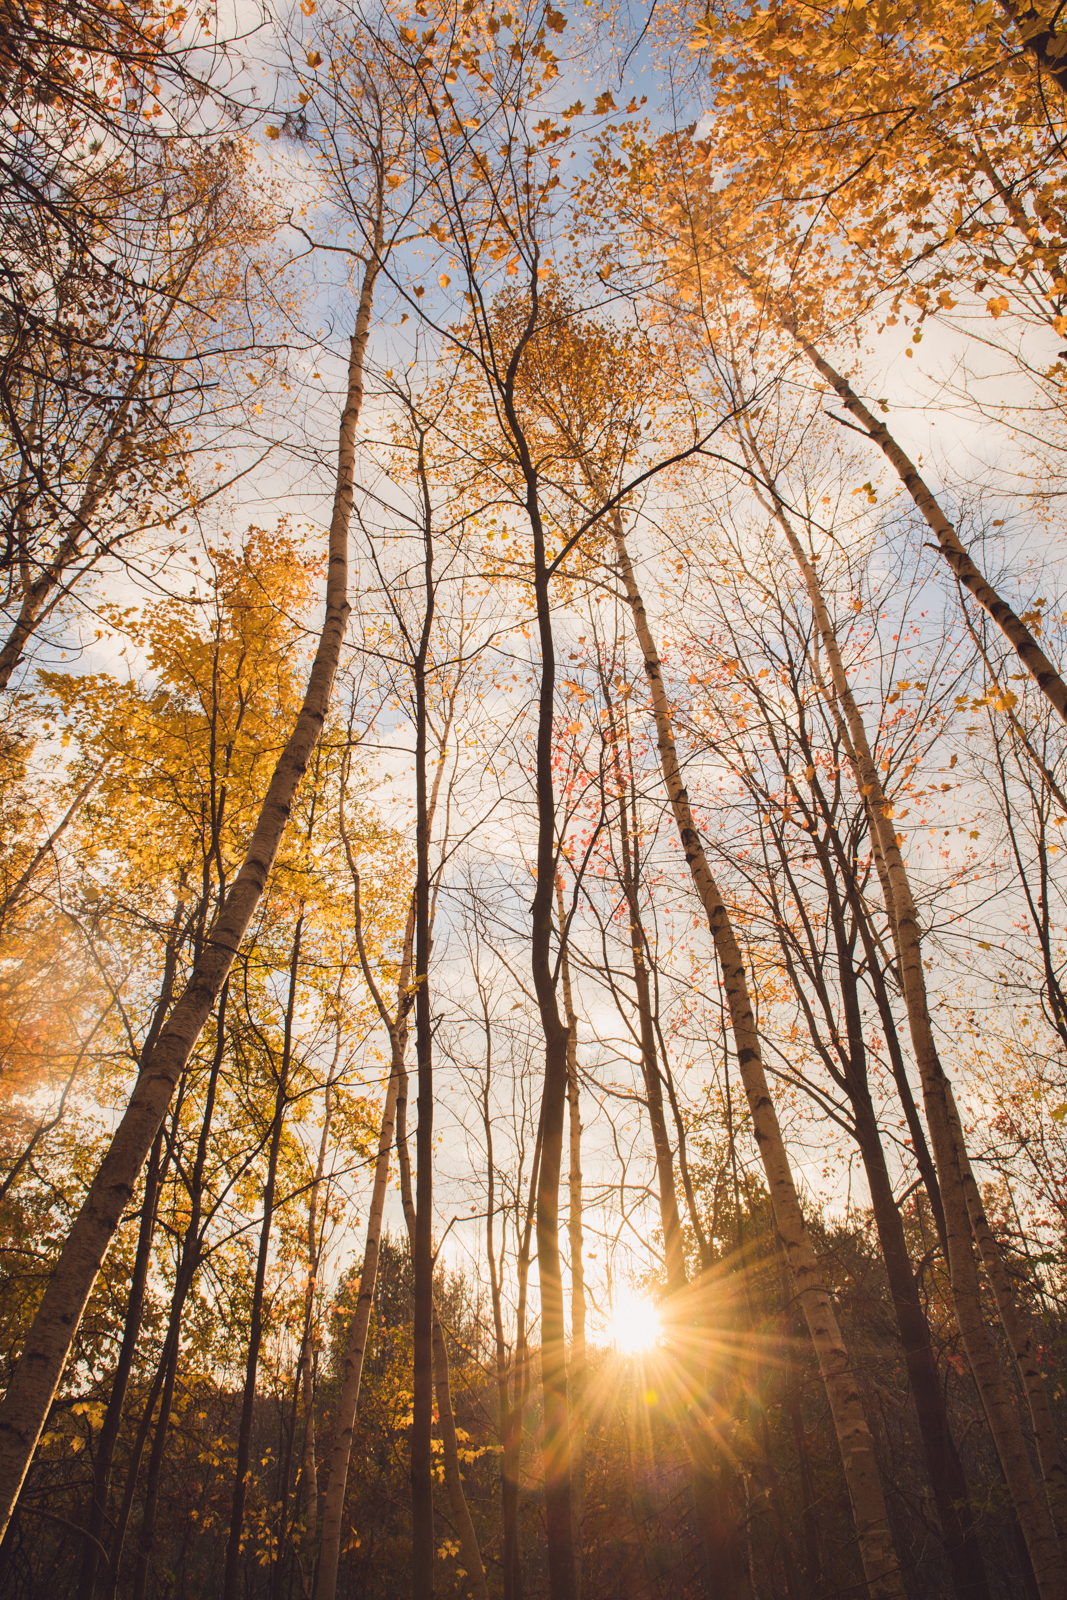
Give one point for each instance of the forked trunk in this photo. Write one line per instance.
(877, 1553)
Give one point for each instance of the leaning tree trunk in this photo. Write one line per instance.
(877, 1553)
(36, 1378)
(949, 1154)
(1014, 629)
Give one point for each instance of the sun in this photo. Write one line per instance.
(635, 1324)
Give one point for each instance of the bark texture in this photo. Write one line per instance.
(34, 1381)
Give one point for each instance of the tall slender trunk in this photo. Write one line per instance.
(147, 1536)
(670, 1222)
(942, 1458)
(35, 1379)
(713, 1476)
(422, 1533)
(943, 1464)
(189, 1258)
(945, 1470)
(309, 1475)
(577, 1371)
(520, 1388)
(508, 1474)
(468, 1539)
(1019, 1333)
(307, 1485)
(844, 1053)
(559, 1522)
(242, 1472)
(471, 1552)
(109, 1431)
(949, 1154)
(877, 1554)
(157, 1164)
(344, 1422)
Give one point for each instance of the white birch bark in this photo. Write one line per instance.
(35, 1379)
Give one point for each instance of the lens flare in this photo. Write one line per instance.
(635, 1324)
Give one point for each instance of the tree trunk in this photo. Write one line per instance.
(189, 1259)
(845, 1057)
(449, 1441)
(157, 1165)
(515, 1409)
(344, 1423)
(670, 1222)
(232, 1573)
(577, 1372)
(1033, 1513)
(468, 1539)
(878, 1556)
(309, 1475)
(1018, 635)
(559, 1522)
(147, 1536)
(1019, 1334)
(422, 1555)
(109, 1431)
(36, 1378)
